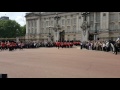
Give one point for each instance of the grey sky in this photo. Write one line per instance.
(17, 16)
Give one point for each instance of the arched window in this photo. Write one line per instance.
(63, 22)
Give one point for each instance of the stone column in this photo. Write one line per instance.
(38, 27)
(94, 20)
(27, 32)
(55, 36)
(77, 23)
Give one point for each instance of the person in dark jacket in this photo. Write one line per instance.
(116, 47)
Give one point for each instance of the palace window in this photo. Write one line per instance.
(112, 26)
(74, 39)
(97, 16)
(119, 26)
(35, 23)
(32, 23)
(47, 30)
(71, 21)
(112, 17)
(35, 31)
(74, 20)
(42, 30)
(28, 31)
(42, 24)
(68, 29)
(28, 23)
(51, 23)
(91, 25)
(119, 16)
(46, 23)
(63, 22)
(74, 29)
(32, 31)
(91, 16)
(104, 14)
(68, 22)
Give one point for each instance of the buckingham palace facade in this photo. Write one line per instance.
(103, 25)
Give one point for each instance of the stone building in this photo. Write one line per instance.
(4, 18)
(102, 25)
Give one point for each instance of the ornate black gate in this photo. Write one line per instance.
(91, 37)
(62, 36)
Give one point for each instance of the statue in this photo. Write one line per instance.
(84, 27)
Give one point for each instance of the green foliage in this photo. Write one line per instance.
(11, 29)
(23, 29)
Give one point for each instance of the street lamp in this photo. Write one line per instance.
(85, 14)
(57, 18)
(17, 39)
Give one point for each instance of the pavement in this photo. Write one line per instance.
(59, 63)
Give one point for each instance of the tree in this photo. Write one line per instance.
(23, 30)
(9, 29)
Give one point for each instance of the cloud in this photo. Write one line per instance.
(2, 12)
(17, 16)
(21, 20)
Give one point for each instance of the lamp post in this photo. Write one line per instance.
(85, 14)
(17, 39)
(57, 18)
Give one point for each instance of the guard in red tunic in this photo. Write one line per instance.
(62, 44)
(3, 45)
(15, 44)
(58, 44)
(10, 47)
(0, 46)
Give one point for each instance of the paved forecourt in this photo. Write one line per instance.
(59, 63)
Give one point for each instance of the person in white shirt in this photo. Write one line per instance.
(107, 46)
(81, 44)
(113, 48)
(103, 46)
